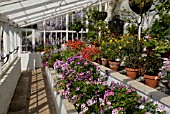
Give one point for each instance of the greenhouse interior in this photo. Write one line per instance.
(85, 57)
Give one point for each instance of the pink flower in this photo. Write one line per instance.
(109, 103)
(114, 111)
(89, 102)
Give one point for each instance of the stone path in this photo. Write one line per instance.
(32, 95)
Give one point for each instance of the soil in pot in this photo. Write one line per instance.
(131, 73)
(114, 65)
(104, 61)
(151, 81)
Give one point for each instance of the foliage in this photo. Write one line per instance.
(90, 53)
(67, 53)
(77, 25)
(132, 61)
(150, 43)
(48, 47)
(95, 27)
(151, 65)
(113, 50)
(76, 46)
(132, 29)
(131, 45)
(160, 27)
(39, 48)
(162, 46)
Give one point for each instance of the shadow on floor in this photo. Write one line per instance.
(32, 95)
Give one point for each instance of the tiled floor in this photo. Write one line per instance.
(32, 95)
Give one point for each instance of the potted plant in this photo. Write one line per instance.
(131, 48)
(132, 65)
(151, 65)
(114, 54)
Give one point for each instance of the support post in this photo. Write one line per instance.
(19, 42)
(11, 42)
(1, 30)
(6, 39)
(67, 23)
(33, 40)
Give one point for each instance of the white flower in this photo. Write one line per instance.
(155, 103)
(141, 107)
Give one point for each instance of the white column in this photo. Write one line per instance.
(6, 46)
(11, 42)
(33, 40)
(19, 42)
(106, 7)
(87, 22)
(67, 23)
(100, 5)
(82, 22)
(72, 30)
(44, 36)
(15, 38)
(1, 30)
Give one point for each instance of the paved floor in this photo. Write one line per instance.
(32, 95)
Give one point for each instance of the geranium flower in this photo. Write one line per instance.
(115, 111)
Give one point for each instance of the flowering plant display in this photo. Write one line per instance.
(90, 53)
(88, 90)
(76, 46)
(67, 53)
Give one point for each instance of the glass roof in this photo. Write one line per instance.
(26, 12)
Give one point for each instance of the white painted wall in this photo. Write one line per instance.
(8, 84)
(27, 60)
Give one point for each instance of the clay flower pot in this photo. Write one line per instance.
(151, 81)
(114, 65)
(104, 61)
(131, 73)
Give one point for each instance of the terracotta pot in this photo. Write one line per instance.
(99, 61)
(131, 73)
(104, 61)
(151, 81)
(114, 65)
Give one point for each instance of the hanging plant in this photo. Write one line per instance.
(140, 6)
(77, 26)
(100, 15)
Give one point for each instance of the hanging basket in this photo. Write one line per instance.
(140, 6)
(100, 16)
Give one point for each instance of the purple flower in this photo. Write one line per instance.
(85, 63)
(78, 88)
(105, 83)
(98, 69)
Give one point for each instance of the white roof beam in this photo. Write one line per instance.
(27, 5)
(53, 11)
(13, 17)
(36, 20)
(5, 19)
